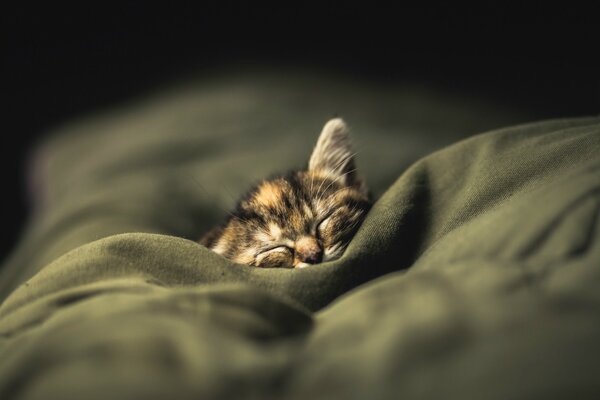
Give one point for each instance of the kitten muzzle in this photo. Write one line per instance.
(308, 250)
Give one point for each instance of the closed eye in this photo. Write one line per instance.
(275, 256)
(324, 221)
(275, 248)
(322, 224)
(325, 218)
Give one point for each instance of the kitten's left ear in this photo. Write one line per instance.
(333, 154)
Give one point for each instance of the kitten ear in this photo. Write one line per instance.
(333, 153)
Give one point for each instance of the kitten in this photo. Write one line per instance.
(302, 218)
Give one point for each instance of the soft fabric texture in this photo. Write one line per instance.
(475, 275)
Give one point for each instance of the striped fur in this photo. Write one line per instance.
(301, 218)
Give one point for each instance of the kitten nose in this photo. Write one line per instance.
(312, 256)
(308, 250)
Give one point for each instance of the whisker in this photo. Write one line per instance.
(320, 198)
(229, 193)
(335, 167)
(193, 178)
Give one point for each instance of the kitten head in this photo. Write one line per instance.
(305, 217)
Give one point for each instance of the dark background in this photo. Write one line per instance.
(61, 62)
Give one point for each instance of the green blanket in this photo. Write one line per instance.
(476, 274)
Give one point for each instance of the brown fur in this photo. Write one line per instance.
(302, 218)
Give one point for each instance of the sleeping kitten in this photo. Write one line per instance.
(302, 218)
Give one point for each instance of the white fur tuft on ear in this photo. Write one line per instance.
(333, 151)
(333, 155)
